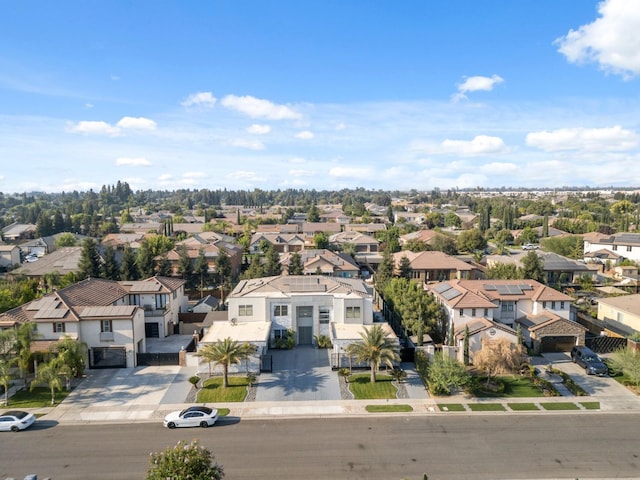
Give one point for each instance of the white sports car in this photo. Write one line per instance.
(192, 417)
(16, 420)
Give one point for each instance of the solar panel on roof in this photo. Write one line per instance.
(451, 293)
(502, 289)
(525, 287)
(51, 313)
(489, 287)
(442, 287)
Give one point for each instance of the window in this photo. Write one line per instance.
(561, 305)
(553, 305)
(544, 304)
(245, 310)
(473, 312)
(615, 247)
(281, 310)
(353, 312)
(279, 334)
(462, 312)
(325, 314)
(134, 299)
(161, 301)
(106, 326)
(506, 307)
(486, 312)
(58, 327)
(628, 248)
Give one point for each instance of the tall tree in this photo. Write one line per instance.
(295, 266)
(128, 267)
(145, 260)
(375, 348)
(225, 353)
(385, 270)
(90, 264)
(25, 336)
(6, 378)
(50, 374)
(405, 270)
(201, 269)
(71, 354)
(164, 266)
(185, 265)
(110, 268)
(533, 267)
(272, 265)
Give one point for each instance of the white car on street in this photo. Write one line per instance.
(198, 416)
(16, 420)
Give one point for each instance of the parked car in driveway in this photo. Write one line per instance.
(589, 360)
(16, 420)
(197, 416)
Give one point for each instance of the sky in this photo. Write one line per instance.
(319, 94)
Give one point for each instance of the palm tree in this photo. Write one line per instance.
(6, 376)
(25, 335)
(50, 374)
(71, 354)
(375, 348)
(225, 352)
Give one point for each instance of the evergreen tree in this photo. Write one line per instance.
(185, 266)
(466, 345)
(201, 269)
(313, 214)
(405, 270)
(533, 267)
(145, 261)
(545, 226)
(272, 265)
(164, 266)
(90, 261)
(295, 264)
(128, 267)
(110, 268)
(223, 268)
(385, 270)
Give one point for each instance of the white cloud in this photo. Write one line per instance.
(351, 172)
(301, 173)
(297, 160)
(259, 108)
(480, 145)
(194, 175)
(199, 99)
(165, 177)
(305, 135)
(584, 139)
(139, 123)
(499, 168)
(132, 162)
(612, 40)
(88, 105)
(257, 129)
(476, 83)
(94, 127)
(244, 143)
(244, 176)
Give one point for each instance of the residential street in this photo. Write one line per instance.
(558, 446)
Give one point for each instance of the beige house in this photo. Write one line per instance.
(434, 266)
(620, 315)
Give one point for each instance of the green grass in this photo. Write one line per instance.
(37, 398)
(212, 390)
(560, 406)
(518, 407)
(388, 408)
(451, 407)
(515, 386)
(591, 405)
(486, 407)
(362, 388)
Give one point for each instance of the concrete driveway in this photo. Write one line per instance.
(603, 387)
(303, 373)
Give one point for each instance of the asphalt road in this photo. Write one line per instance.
(541, 446)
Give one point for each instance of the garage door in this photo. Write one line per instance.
(114, 357)
(558, 343)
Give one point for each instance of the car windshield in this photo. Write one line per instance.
(592, 358)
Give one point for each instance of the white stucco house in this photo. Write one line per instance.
(624, 245)
(263, 310)
(110, 317)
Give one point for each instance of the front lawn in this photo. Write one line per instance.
(515, 386)
(212, 390)
(590, 405)
(388, 408)
(362, 388)
(451, 407)
(486, 407)
(560, 406)
(37, 398)
(520, 407)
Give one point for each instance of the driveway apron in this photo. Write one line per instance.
(303, 373)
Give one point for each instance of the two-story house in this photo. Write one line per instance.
(323, 262)
(434, 266)
(627, 245)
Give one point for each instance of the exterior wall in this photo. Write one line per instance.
(45, 329)
(475, 340)
(562, 309)
(615, 316)
(126, 333)
(10, 257)
(632, 252)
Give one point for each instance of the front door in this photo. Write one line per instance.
(304, 316)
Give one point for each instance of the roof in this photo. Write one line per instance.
(289, 285)
(431, 260)
(250, 332)
(538, 322)
(155, 284)
(351, 331)
(481, 324)
(624, 238)
(552, 262)
(63, 261)
(626, 303)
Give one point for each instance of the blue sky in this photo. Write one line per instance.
(323, 94)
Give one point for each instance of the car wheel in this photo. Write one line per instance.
(204, 424)
(15, 429)
(171, 425)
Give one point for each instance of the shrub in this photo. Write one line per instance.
(194, 380)
(323, 341)
(185, 460)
